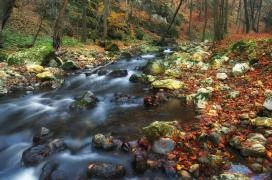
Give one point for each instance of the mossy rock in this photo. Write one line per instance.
(85, 101)
(170, 84)
(162, 129)
(262, 122)
(154, 68)
(70, 65)
(47, 75)
(138, 78)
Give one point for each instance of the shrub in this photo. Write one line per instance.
(139, 34)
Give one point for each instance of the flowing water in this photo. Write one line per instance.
(23, 115)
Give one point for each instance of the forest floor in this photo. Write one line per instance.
(229, 84)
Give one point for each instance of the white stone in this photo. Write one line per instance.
(221, 76)
(240, 69)
(268, 104)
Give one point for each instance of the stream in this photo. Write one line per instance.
(23, 115)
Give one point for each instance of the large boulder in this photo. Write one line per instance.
(261, 122)
(85, 101)
(170, 84)
(105, 171)
(162, 129)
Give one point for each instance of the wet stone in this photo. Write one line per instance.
(105, 170)
(140, 161)
(163, 145)
(118, 73)
(38, 153)
(47, 170)
(103, 142)
(35, 155)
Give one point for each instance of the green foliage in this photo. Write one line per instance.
(3, 56)
(35, 55)
(139, 34)
(111, 47)
(70, 42)
(244, 46)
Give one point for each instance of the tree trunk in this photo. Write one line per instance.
(206, 20)
(1, 36)
(226, 16)
(84, 21)
(247, 23)
(216, 24)
(175, 15)
(259, 15)
(58, 26)
(105, 18)
(38, 31)
(190, 20)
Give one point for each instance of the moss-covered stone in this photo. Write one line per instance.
(175, 73)
(35, 68)
(162, 129)
(47, 75)
(168, 84)
(262, 122)
(154, 68)
(70, 65)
